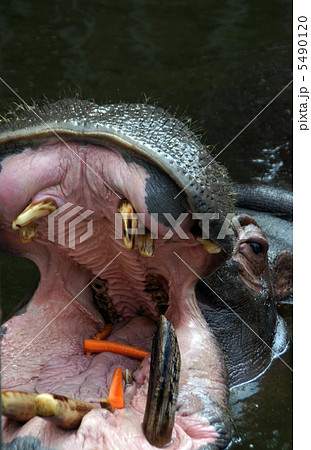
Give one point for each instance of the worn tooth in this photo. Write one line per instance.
(210, 246)
(27, 233)
(18, 405)
(130, 223)
(105, 404)
(62, 411)
(161, 298)
(145, 244)
(103, 301)
(33, 212)
(155, 287)
(128, 376)
(159, 415)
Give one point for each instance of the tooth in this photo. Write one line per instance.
(130, 223)
(161, 298)
(145, 244)
(128, 376)
(33, 212)
(210, 246)
(62, 411)
(18, 405)
(27, 233)
(105, 403)
(159, 415)
(103, 301)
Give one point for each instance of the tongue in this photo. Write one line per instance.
(88, 378)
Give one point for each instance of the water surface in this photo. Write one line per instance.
(220, 62)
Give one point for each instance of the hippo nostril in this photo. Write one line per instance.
(257, 248)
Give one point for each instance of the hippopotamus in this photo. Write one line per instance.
(240, 301)
(68, 170)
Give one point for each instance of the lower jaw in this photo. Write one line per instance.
(101, 430)
(201, 376)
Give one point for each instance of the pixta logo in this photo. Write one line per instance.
(134, 223)
(68, 219)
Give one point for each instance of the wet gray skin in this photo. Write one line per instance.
(245, 318)
(279, 232)
(261, 311)
(149, 157)
(278, 202)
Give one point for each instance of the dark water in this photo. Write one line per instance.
(220, 62)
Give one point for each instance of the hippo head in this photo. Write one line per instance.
(71, 172)
(240, 302)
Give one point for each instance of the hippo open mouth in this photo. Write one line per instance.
(104, 162)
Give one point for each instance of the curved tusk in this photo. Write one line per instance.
(34, 211)
(130, 223)
(18, 405)
(210, 246)
(64, 412)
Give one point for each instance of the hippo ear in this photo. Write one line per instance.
(282, 275)
(242, 220)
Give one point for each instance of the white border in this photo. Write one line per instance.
(302, 264)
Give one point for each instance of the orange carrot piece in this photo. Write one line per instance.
(105, 333)
(94, 346)
(116, 396)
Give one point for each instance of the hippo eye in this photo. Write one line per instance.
(257, 248)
